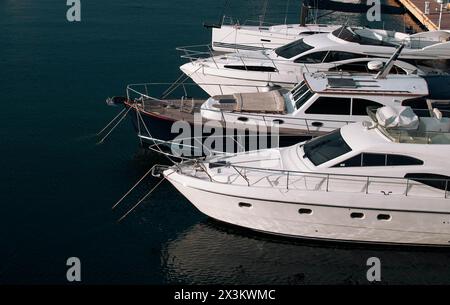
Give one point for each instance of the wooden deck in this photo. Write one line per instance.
(175, 110)
(431, 20)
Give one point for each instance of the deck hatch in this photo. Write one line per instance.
(341, 82)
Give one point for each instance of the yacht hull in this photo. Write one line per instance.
(234, 81)
(326, 221)
(154, 128)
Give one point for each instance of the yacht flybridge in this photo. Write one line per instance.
(385, 180)
(345, 49)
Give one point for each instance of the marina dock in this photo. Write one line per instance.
(430, 19)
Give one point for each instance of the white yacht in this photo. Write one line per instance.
(345, 49)
(235, 37)
(232, 36)
(379, 181)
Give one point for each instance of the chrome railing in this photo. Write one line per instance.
(161, 92)
(309, 181)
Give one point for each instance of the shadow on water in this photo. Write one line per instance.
(214, 253)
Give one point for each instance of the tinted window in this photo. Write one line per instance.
(252, 68)
(374, 160)
(416, 103)
(368, 159)
(360, 106)
(353, 67)
(433, 180)
(330, 105)
(393, 160)
(352, 162)
(301, 94)
(326, 148)
(292, 49)
(338, 56)
(312, 58)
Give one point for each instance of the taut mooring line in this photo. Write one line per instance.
(114, 127)
(142, 199)
(112, 121)
(134, 186)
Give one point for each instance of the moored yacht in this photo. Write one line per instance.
(345, 49)
(379, 181)
(232, 36)
(321, 103)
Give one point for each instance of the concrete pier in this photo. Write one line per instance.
(431, 20)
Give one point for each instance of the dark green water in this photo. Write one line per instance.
(57, 186)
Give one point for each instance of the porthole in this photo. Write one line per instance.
(384, 217)
(242, 119)
(244, 205)
(305, 211)
(278, 121)
(357, 215)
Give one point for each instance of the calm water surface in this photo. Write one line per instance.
(57, 186)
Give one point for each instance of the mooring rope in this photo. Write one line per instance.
(114, 127)
(134, 186)
(142, 199)
(109, 124)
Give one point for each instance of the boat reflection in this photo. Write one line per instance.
(213, 253)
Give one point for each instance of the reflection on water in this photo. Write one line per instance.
(213, 253)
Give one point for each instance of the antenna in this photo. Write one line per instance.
(387, 68)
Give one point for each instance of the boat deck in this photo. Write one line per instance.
(173, 110)
(186, 110)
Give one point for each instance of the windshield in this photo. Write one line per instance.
(326, 148)
(292, 49)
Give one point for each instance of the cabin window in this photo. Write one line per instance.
(312, 58)
(373, 160)
(252, 68)
(355, 161)
(437, 181)
(339, 56)
(326, 148)
(398, 160)
(368, 160)
(292, 49)
(328, 56)
(330, 105)
(301, 94)
(416, 103)
(360, 67)
(359, 106)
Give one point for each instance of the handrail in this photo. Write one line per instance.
(191, 54)
(406, 184)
